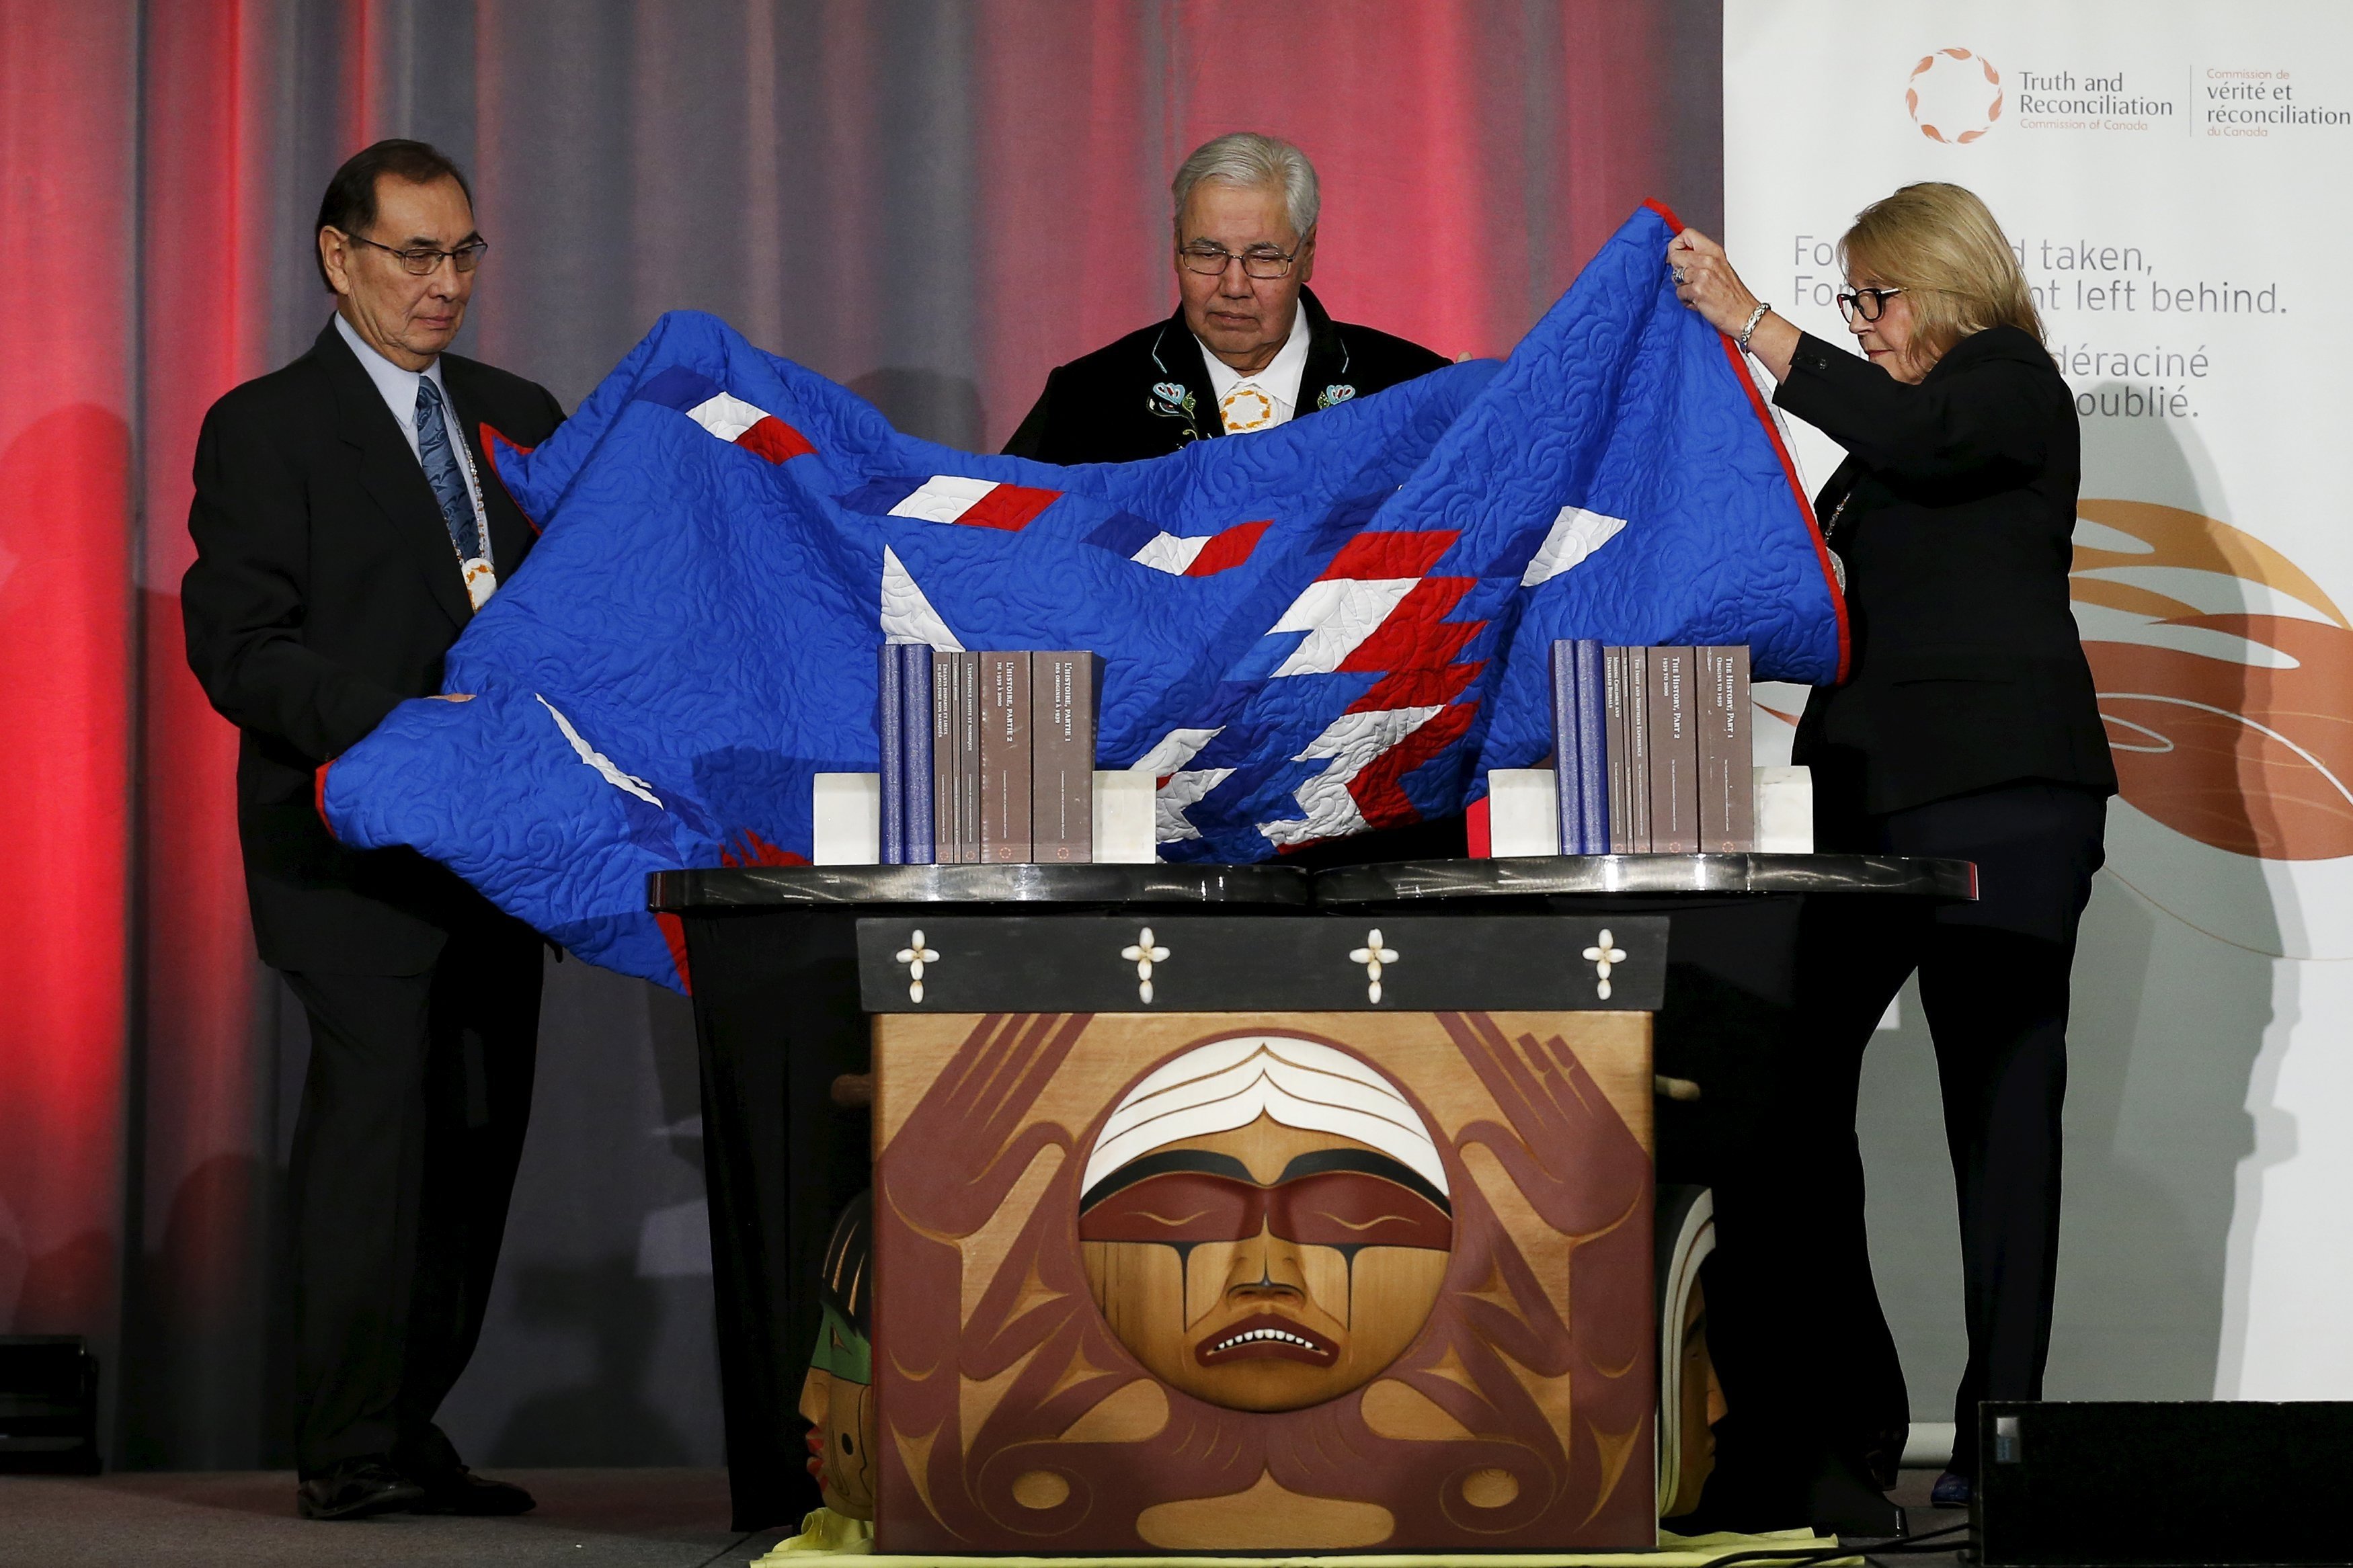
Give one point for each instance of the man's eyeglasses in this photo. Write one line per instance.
(1260, 261)
(1866, 303)
(423, 261)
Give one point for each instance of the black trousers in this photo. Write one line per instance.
(1994, 979)
(405, 1155)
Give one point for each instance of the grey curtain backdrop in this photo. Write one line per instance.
(933, 201)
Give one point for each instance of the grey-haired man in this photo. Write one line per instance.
(1247, 347)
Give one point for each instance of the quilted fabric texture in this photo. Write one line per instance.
(1336, 625)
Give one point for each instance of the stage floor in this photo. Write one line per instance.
(643, 1519)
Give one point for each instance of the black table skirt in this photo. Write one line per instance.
(775, 1006)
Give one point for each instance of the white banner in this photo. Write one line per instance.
(2173, 175)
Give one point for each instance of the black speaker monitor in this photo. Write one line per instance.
(48, 1404)
(2159, 1485)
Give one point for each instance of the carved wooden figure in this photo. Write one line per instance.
(1297, 1281)
(838, 1394)
(1691, 1400)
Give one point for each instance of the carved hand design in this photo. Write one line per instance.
(967, 1121)
(1567, 1146)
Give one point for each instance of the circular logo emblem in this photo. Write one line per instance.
(1953, 96)
(1246, 408)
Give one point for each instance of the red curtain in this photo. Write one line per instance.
(68, 642)
(971, 193)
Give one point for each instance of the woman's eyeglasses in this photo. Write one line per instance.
(1867, 302)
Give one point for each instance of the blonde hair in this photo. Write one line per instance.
(1938, 243)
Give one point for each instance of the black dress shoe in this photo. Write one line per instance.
(356, 1489)
(458, 1489)
(1841, 1502)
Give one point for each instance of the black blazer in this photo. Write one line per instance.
(1954, 514)
(1149, 393)
(326, 591)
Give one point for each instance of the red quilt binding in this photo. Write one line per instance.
(319, 795)
(1788, 467)
(490, 437)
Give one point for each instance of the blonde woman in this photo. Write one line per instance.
(1968, 727)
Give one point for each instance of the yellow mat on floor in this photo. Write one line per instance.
(826, 1536)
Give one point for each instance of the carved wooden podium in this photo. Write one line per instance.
(1215, 1234)
(777, 965)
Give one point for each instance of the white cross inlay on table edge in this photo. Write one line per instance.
(915, 955)
(1144, 954)
(1372, 955)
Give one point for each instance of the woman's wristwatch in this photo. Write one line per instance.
(1755, 316)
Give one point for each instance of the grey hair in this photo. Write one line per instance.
(1248, 159)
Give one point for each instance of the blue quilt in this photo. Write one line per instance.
(1336, 625)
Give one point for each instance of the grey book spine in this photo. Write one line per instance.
(968, 759)
(1007, 712)
(1674, 752)
(1613, 672)
(1062, 756)
(1727, 798)
(1638, 751)
(945, 827)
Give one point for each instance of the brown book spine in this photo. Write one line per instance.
(1614, 712)
(969, 719)
(1727, 800)
(943, 758)
(1638, 751)
(1740, 776)
(1674, 753)
(1008, 717)
(1062, 756)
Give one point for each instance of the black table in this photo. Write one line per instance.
(1800, 1349)
(772, 955)
(1651, 876)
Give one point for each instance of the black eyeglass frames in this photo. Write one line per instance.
(423, 261)
(1868, 302)
(1261, 262)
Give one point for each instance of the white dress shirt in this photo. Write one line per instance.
(398, 389)
(1267, 399)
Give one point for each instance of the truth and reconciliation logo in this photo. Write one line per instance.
(1953, 96)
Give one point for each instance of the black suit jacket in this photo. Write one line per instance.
(326, 591)
(1149, 393)
(1955, 515)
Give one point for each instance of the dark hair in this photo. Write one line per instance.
(350, 202)
(846, 1279)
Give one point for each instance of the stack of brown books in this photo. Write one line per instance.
(988, 756)
(1652, 749)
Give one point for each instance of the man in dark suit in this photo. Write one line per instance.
(348, 523)
(1248, 346)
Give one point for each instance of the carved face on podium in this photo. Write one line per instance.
(838, 1394)
(1266, 1222)
(1701, 1396)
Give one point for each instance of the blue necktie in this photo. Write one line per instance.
(441, 469)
